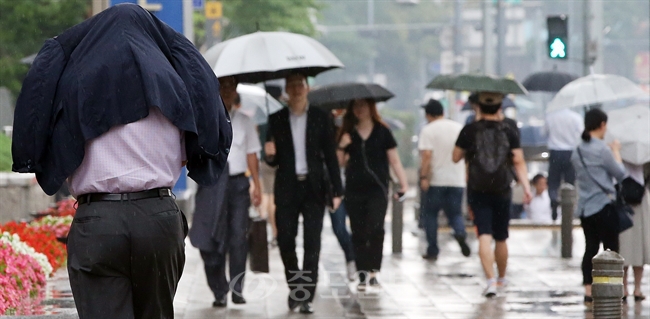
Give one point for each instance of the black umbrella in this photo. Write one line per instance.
(549, 81)
(507, 102)
(338, 96)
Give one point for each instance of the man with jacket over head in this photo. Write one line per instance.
(125, 114)
(299, 142)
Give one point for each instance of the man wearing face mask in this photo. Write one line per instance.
(492, 150)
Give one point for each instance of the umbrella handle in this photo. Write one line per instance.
(268, 112)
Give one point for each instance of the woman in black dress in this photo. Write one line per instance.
(367, 148)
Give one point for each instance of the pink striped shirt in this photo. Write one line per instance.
(134, 157)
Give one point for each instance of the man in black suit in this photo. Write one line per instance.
(300, 142)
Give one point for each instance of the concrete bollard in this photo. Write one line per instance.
(567, 202)
(607, 287)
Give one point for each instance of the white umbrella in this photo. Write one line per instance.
(594, 89)
(631, 127)
(262, 56)
(254, 101)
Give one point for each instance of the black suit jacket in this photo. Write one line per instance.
(92, 77)
(322, 163)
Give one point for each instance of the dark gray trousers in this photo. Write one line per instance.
(238, 201)
(125, 258)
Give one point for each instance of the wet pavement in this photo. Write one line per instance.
(541, 285)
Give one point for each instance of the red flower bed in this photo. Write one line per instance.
(63, 208)
(41, 239)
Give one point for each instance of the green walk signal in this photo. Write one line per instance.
(558, 37)
(558, 49)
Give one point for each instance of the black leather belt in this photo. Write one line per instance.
(301, 177)
(99, 197)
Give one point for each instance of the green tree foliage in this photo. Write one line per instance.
(247, 16)
(5, 153)
(25, 25)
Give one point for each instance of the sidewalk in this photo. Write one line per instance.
(541, 285)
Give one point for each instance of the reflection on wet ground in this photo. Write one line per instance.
(541, 285)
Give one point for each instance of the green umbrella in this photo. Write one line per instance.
(477, 83)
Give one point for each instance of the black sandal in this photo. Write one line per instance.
(638, 298)
(589, 299)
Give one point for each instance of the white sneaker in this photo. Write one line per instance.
(502, 283)
(352, 271)
(490, 290)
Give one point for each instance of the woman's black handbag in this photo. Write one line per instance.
(623, 210)
(631, 191)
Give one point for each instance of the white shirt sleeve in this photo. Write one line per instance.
(425, 143)
(252, 138)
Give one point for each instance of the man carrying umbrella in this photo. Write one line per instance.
(300, 144)
(231, 221)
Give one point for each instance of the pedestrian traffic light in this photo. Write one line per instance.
(558, 37)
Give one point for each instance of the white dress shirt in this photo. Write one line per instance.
(245, 140)
(299, 136)
(563, 129)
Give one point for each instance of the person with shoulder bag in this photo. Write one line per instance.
(635, 242)
(368, 150)
(596, 164)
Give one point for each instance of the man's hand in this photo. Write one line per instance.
(424, 184)
(269, 148)
(528, 196)
(336, 202)
(257, 196)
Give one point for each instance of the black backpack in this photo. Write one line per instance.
(490, 160)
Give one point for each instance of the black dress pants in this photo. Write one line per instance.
(367, 212)
(237, 202)
(301, 282)
(125, 258)
(601, 227)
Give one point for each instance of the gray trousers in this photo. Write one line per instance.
(125, 258)
(235, 208)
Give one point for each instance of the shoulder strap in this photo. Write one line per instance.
(582, 160)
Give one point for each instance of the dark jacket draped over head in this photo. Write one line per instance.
(107, 71)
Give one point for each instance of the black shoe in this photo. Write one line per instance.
(220, 302)
(463, 245)
(554, 206)
(293, 304)
(238, 299)
(429, 257)
(306, 308)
